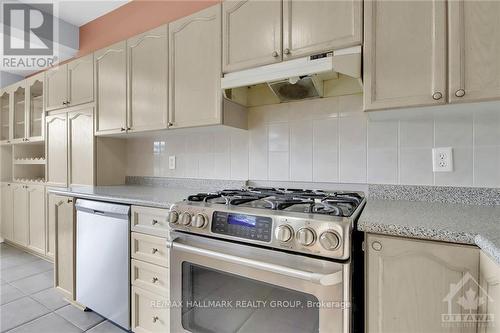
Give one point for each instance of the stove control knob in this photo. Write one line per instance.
(199, 221)
(185, 218)
(173, 217)
(306, 236)
(283, 233)
(329, 240)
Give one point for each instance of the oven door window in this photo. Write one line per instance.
(219, 302)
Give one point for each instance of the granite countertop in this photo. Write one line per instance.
(455, 223)
(151, 196)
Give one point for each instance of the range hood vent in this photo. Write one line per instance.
(300, 78)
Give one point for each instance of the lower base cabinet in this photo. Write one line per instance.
(418, 286)
(150, 312)
(7, 207)
(490, 286)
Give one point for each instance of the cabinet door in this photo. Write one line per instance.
(317, 26)
(7, 211)
(20, 213)
(81, 80)
(19, 112)
(57, 150)
(36, 218)
(65, 248)
(110, 66)
(251, 33)
(5, 116)
(35, 127)
(474, 40)
(490, 284)
(195, 69)
(53, 204)
(148, 77)
(81, 152)
(408, 284)
(56, 85)
(404, 55)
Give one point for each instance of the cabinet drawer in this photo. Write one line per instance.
(150, 312)
(151, 277)
(151, 221)
(150, 249)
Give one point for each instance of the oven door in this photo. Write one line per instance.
(225, 287)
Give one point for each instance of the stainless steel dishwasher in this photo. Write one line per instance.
(103, 259)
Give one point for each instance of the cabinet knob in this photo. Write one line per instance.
(154, 222)
(123, 129)
(154, 250)
(70, 201)
(155, 319)
(275, 54)
(286, 51)
(129, 128)
(170, 124)
(460, 93)
(437, 95)
(155, 279)
(377, 246)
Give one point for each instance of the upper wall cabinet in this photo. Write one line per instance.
(5, 116)
(70, 84)
(315, 26)
(147, 80)
(19, 112)
(35, 114)
(251, 32)
(404, 54)
(257, 33)
(110, 66)
(474, 40)
(195, 69)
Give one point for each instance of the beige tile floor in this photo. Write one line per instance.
(29, 302)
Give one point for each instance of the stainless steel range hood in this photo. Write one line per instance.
(300, 78)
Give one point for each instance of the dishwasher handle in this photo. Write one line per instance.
(103, 209)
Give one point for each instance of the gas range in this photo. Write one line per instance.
(312, 222)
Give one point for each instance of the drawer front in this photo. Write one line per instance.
(150, 312)
(150, 249)
(151, 221)
(151, 277)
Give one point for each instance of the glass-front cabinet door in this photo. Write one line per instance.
(19, 114)
(4, 116)
(35, 108)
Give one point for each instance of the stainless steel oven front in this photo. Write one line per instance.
(224, 287)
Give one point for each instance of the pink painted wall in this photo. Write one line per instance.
(133, 18)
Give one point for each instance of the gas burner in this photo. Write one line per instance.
(341, 204)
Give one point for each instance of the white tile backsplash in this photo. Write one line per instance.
(331, 140)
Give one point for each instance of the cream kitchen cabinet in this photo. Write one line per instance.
(63, 215)
(56, 149)
(5, 116)
(20, 233)
(35, 110)
(147, 56)
(70, 84)
(474, 40)
(70, 147)
(110, 68)
(7, 207)
(404, 58)
(408, 283)
(195, 69)
(251, 33)
(489, 277)
(311, 27)
(18, 95)
(257, 33)
(36, 217)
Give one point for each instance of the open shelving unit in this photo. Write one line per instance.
(28, 163)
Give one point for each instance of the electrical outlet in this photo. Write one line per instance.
(442, 159)
(171, 162)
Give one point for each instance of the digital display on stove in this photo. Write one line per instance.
(242, 220)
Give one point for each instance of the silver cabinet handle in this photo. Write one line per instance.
(154, 250)
(328, 279)
(437, 95)
(154, 222)
(460, 93)
(155, 279)
(155, 319)
(275, 54)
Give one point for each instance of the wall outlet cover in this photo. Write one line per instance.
(171, 162)
(442, 159)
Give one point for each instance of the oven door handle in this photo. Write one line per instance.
(317, 278)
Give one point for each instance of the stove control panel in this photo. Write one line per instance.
(253, 227)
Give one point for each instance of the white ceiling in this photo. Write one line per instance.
(79, 12)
